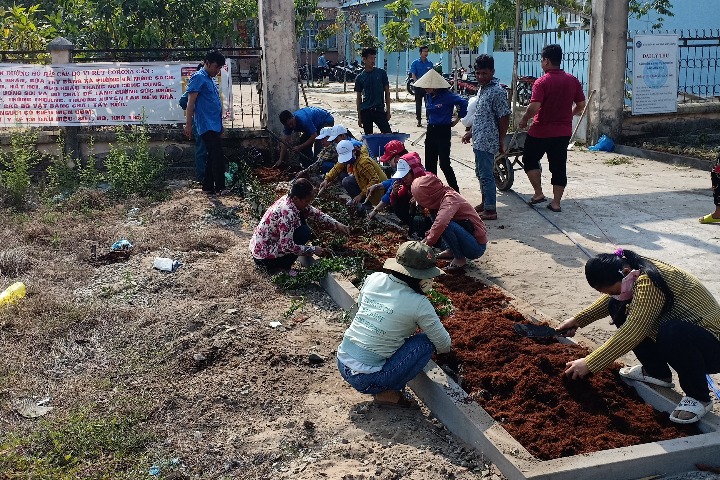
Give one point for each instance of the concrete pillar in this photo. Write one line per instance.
(61, 52)
(279, 61)
(606, 75)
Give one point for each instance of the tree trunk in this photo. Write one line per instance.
(397, 80)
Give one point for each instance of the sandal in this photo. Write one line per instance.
(536, 201)
(454, 269)
(556, 210)
(637, 373)
(709, 219)
(446, 255)
(690, 405)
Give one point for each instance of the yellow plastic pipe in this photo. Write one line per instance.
(12, 294)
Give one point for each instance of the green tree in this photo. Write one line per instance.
(23, 28)
(397, 32)
(364, 38)
(456, 23)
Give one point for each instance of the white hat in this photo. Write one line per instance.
(337, 130)
(402, 169)
(432, 79)
(345, 151)
(324, 133)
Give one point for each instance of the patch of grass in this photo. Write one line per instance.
(314, 273)
(618, 161)
(83, 444)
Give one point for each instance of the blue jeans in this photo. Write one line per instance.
(399, 369)
(484, 162)
(461, 243)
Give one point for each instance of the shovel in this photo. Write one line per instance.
(537, 331)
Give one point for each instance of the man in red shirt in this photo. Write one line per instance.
(551, 108)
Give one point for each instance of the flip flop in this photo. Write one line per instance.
(539, 200)
(636, 373)
(709, 219)
(690, 405)
(551, 208)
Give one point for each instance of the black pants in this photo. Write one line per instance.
(214, 180)
(437, 147)
(715, 179)
(301, 236)
(376, 116)
(309, 155)
(419, 97)
(690, 350)
(556, 150)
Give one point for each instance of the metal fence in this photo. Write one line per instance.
(698, 58)
(245, 70)
(540, 28)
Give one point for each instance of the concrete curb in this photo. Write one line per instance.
(468, 421)
(670, 158)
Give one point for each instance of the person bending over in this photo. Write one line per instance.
(664, 315)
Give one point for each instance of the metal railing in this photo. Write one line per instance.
(698, 59)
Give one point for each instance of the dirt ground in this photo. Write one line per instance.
(193, 354)
(215, 390)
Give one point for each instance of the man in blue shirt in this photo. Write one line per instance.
(204, 108)
(372, 87)
(418, 68)
(322, 67)
(308, 122)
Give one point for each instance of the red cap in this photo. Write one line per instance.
(392, 148)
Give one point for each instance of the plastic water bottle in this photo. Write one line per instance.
(12, 294)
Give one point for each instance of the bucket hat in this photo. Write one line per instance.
(432, 79)
(414, 259)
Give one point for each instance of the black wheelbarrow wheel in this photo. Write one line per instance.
(503, 172)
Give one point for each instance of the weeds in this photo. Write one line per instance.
(443, 305)
(618, 161)
(295, 305)
(16, 167)
(72, 447)
(314, 273)
(131, 168)
(256, 193)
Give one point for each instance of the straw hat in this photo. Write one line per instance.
(432, 79)
(415, 259)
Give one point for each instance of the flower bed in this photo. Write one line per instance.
(518, 381)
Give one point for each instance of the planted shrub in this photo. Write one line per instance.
(131, 168)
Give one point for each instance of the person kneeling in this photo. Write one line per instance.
(282, 233)
(380, 351)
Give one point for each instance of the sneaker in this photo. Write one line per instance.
(480, 208)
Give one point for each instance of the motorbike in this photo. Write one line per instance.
(347, 70)
(524, 89)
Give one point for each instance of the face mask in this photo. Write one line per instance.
(626, 286)
(426, 285)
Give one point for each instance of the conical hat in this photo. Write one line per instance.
(432, 79)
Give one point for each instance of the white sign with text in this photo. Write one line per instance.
(655, 74)
(98, 93)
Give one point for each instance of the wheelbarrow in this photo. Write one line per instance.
(505, 163)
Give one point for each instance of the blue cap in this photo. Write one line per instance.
(356, 143)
